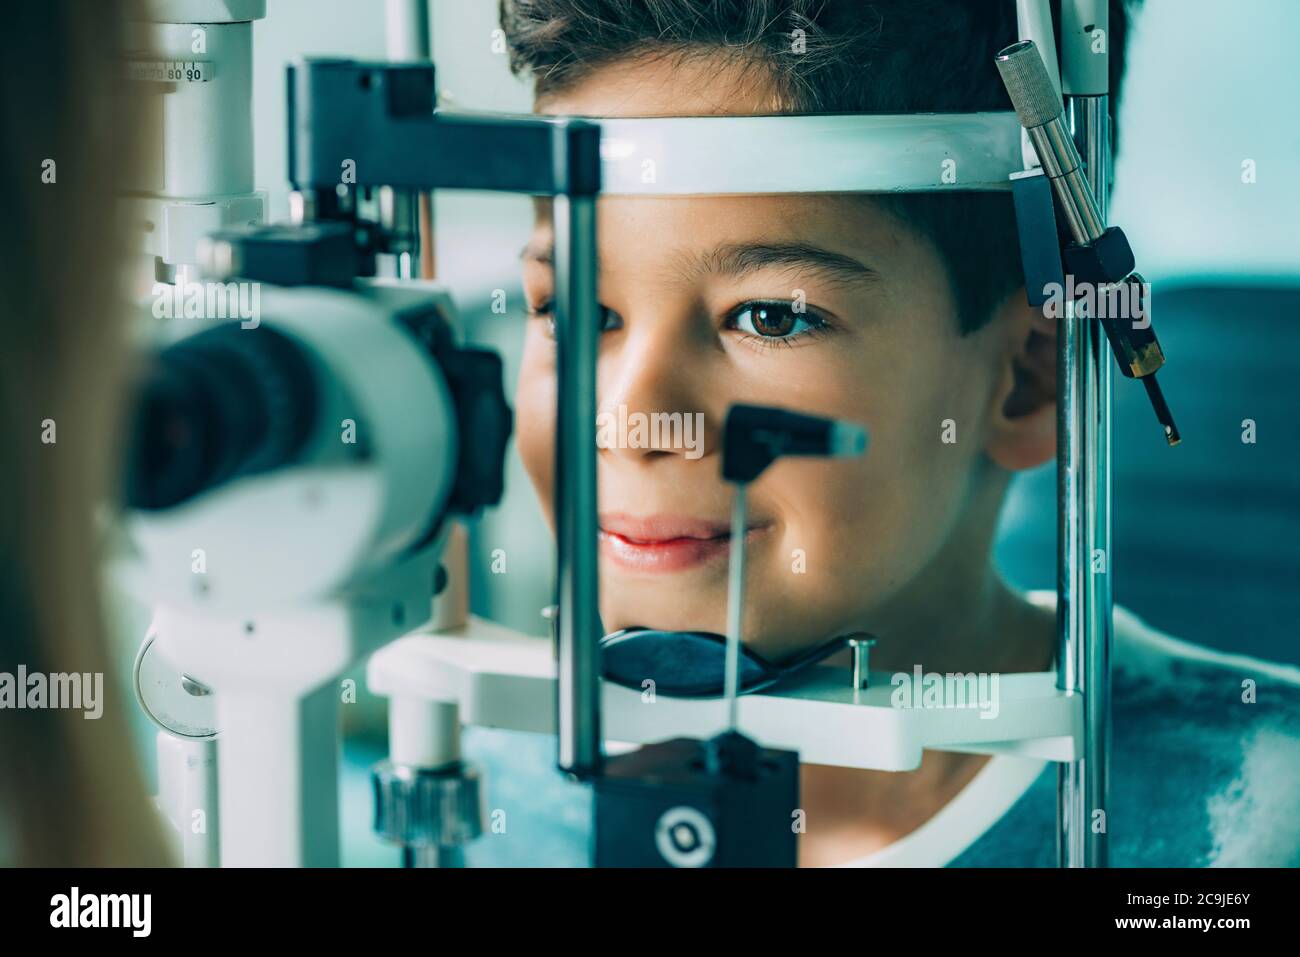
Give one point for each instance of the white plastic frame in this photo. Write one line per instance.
(815, 153)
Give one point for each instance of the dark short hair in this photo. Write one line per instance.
(860, 56)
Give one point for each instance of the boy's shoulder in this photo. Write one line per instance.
(1165, 683)
(1144, 655)
(1205, 756)
(1213, 741)
(1143, 652)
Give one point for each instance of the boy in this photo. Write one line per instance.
(911, 313)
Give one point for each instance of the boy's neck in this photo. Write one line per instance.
(958, 614)
(989, 629)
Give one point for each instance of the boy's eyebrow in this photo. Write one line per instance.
(739, 259)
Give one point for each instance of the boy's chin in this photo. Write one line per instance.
(657, 621)
(768, 635)
(664, 613)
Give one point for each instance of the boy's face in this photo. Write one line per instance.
(835, 545)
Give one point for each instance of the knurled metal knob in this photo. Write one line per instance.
(423, 807)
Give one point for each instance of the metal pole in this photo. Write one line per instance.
(735, 607)
(1084, 614)
(406, 30)
(408, 36)
(578, 684)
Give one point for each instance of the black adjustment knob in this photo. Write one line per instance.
(475, 377)
(755, 436)
(1107, 259)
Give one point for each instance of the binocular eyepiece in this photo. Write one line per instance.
(218, 405)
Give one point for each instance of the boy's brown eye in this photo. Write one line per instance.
(774, 320)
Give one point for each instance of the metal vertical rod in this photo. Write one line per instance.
(577, 571)
(1070, 814)
(408, 36)
(429, 857)
(406, 30)
(735, 606)
(1085, 612)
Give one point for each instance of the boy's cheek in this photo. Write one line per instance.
(855, 538)
(535, 426)
(800, 603)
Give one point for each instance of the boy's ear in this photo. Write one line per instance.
(1022, 421)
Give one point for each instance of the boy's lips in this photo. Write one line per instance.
(665, 543)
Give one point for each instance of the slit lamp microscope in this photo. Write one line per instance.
(312, 466)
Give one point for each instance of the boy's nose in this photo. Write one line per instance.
(654, 399)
